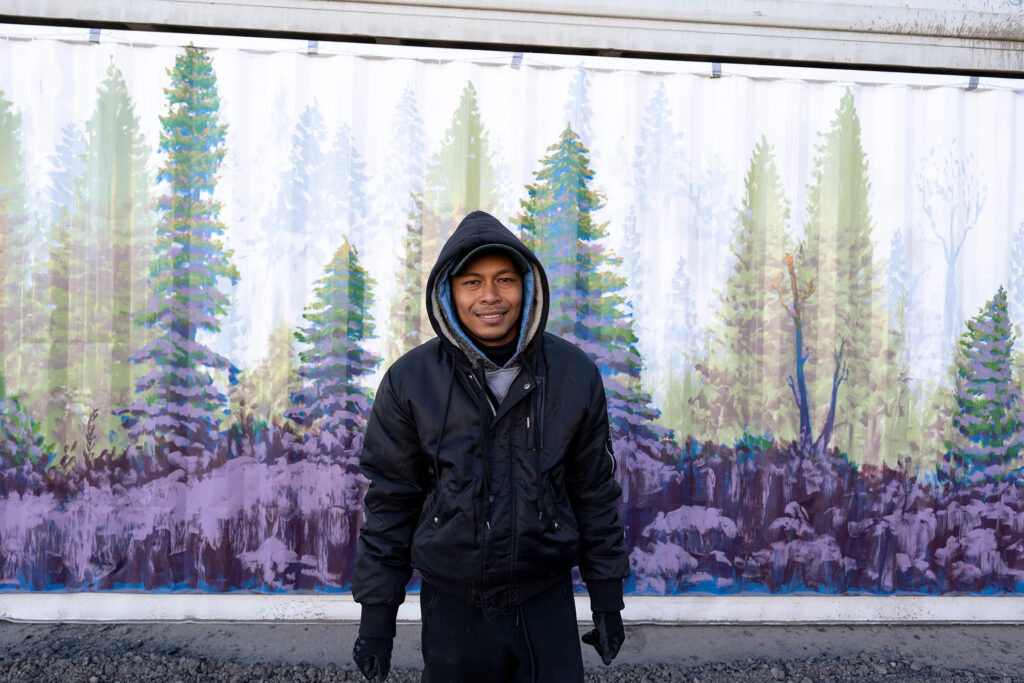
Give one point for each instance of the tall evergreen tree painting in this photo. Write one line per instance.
(178, 410)
(680, 383)
(63, 406)
(659, 216)
(578, 110)
(113, 210)
(838, 253)
(408, 154)
(988, 418)
(587, 304)
(348, 187)
(1016, 293)
(460, 179)
(20, 441)
(745, 379)
(332, 403)
(16, 237)
(264, 390)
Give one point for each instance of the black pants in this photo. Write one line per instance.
(538, 642)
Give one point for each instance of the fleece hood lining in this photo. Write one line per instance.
(529, 324)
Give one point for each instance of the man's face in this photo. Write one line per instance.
(488, 298)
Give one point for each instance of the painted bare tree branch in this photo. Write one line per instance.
(799, 293)
(952, 198)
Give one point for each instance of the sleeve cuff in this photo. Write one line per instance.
(378, 621)
(605, 595)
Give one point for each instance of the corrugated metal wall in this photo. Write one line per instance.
(985, 36)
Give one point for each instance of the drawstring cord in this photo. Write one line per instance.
(485, 420)
(440, 435)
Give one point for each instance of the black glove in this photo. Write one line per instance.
(607, 635)
(373, 657)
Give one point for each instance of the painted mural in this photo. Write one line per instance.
(804, 289)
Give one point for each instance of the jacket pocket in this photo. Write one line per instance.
(556, 507)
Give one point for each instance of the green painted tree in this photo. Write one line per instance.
(460, 179)
(332, 403)
(264, 390)
(838, 253)
(20, 441)
(681, 383)
(587, 303)
(65, 402)
(180, 406)
(18, 314)
(745, 377)
(113, 206)
(988, 416)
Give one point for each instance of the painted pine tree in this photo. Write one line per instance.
(657, 231)
(113, 206)
(332, 403)
(20, 441)
(988, 417)
(587, 304)
(408, 154)
(460, 179)
(838, 253)
(680, 383)
(578, 110)
(745, 378)
(63, 405)
(17, 311)
(178, 410)
(1016, 293)
(265, 389)
(348, 187)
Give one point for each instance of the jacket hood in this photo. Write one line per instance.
(475, 230)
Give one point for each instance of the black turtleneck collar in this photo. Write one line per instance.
(499, 355)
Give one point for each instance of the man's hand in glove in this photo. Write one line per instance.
(607, 635)
(373, 657)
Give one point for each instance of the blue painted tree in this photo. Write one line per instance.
(177, 413)
(347, 186)
(1017, 274)
(407, 324)
(578, 111)
(988, 417)
(332, 404)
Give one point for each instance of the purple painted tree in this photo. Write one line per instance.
(177, 414)
(332, 405)
(988, 420)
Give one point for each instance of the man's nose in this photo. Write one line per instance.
(491, 292)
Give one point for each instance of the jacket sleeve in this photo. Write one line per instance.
(594, 493)
(391, 459)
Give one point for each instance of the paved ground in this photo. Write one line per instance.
(205, 651)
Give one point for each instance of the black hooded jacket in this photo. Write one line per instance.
(492, 503)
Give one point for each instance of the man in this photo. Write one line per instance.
(491, 472)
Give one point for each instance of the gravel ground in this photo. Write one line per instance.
(164, 667)
(95, 653)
